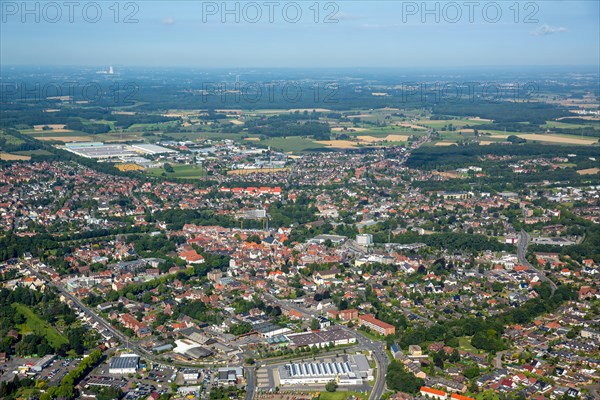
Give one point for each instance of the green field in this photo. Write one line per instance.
(37, 325)
(181, 171)
(339, 395)
(294, 144)
(10, 139)
(39, 152)
(458, 123)
(563, 125)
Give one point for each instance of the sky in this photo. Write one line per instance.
(343, 33)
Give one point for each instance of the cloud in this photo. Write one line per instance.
(548, 30)
(168, 21)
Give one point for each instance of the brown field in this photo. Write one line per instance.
(129, 167)
(51, 110)
(589, 171)
(341, 129)
(256, 171)
(412, 126)
(51, 126)
(485, 143)
(338, 144)
(480, 119)
(236, 122)
(123, 112)
(552, 138)
(13, 157)
(65, 139)
(389, 138)
(309, 109)
(447, 174)
(445, 143)
(252, 139)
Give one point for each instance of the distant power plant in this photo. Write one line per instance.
(110, 71)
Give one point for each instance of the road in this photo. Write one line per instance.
(99, 320)
(376, 348)
(522, 253)
(250, 382)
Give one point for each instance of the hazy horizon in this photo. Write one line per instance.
(351, 34)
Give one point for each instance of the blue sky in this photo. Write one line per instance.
(362, 34)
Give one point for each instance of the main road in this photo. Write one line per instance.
(99, 320)
(521, 255)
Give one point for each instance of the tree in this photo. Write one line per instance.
(454, 357)
(331, 386)
(471, 372)
(168, 168)
(399, 379)
(314, 324)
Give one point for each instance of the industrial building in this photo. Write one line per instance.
(333, 336)
(230, 376)
(152, 149)
(191, 349)
(43, 362)
(124, 364)
(99, 151)
(347, 370)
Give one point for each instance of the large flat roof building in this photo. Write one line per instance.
(334, 335)
(347, 370)
(124, 364)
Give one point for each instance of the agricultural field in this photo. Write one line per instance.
(458, 123)
(588, 171)
(551, 138)
(36, 324)
(180, 171)
(292, 144)
(13, 157)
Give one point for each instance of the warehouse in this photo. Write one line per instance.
(100, 150)
(124, 364)
(347, 370)
(333, 336)
(43, 362)
(152, 149)
(191, 349)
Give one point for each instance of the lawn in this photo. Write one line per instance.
(339, 395)
(464, 343)
(36, 324)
